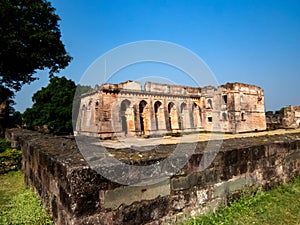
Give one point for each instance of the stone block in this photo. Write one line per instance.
(232, 185)
(294, 155)
(184, 182)
(127, 195)
(202, 196)
(258, 152)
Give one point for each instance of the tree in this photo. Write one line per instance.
(15, 119)
(52, 106)
(280, 112)
(29, 41)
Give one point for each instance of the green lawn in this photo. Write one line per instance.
(278, 206)
(18, 204)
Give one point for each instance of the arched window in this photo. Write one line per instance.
(224, 116)
(196, 119)
(143, 116)
(173, 117)
(157, 112)
(96, 116)
(224, 97)
(124, 105)
(210, 103)
(168, 89)
(184, 116)
(123, 108)
(243, 116)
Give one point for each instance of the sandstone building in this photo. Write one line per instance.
(287, 117)
(112, 110)
(291, 117)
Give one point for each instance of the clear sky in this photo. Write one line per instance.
(249, 41)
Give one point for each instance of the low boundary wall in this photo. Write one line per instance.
(76, 194)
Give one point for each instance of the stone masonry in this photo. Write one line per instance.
(126, 109)
(289, 118)
(75, 194)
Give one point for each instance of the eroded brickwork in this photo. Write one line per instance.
(291, 118)
(128, 109)
(288, 118)
(75, 194)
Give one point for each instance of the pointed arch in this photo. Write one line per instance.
(196, 116)
(173, 117)
(184, 115)
(144, 116)
(124, 113)
(96, 117)
(158, 115)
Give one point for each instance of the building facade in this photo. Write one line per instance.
(287, 117)
(113, 110)
(291, 117)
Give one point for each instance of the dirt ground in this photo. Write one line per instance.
(128, 142)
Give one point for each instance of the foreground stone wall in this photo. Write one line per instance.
(75, 194)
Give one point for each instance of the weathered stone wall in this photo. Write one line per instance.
(289, 117)
(76, 194)
(274, 121)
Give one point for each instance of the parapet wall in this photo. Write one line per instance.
(75, 194)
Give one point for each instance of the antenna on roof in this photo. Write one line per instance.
(105, 67)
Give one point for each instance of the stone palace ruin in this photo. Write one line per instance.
(289, 117)
(113, 110)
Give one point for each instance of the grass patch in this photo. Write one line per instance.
(18, 204)
(279, 206)
(4, 144)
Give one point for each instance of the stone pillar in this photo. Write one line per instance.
(161, 118)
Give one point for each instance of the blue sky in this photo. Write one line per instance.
(249, 41)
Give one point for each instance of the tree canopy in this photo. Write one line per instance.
(52, 106)
(29, 41)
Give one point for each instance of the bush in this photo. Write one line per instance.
(10, 160)
(4, 144)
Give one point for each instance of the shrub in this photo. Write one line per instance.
(4, 144)
(10, 159)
